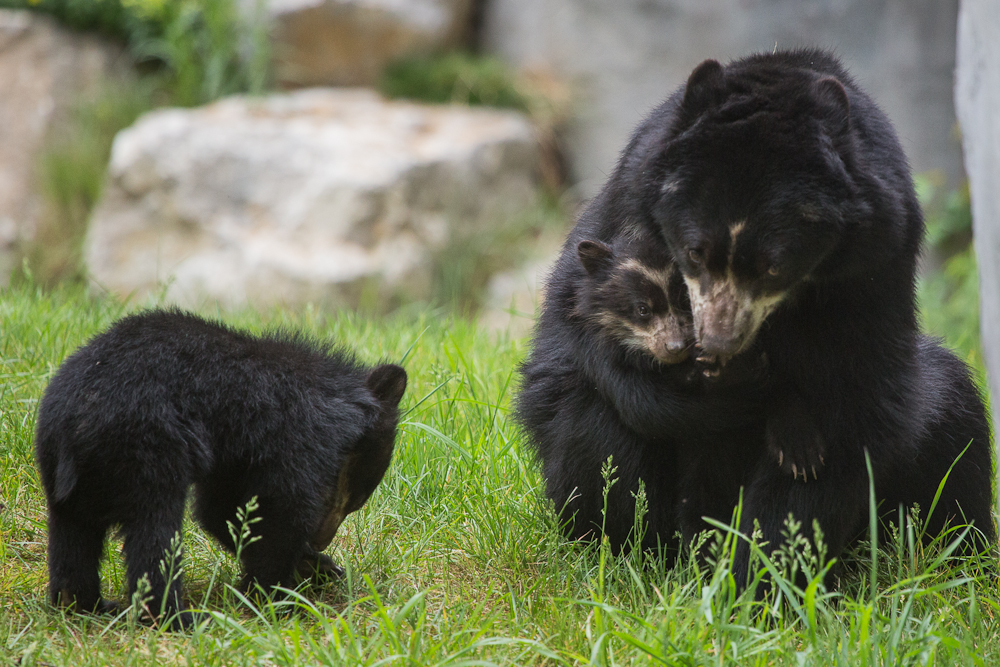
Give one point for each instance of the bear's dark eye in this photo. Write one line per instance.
(773, 270)
(696, 256)
(642, 310)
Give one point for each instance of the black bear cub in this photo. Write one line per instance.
(637, 303)
(164, 400)
(612, 373)
(578, 414)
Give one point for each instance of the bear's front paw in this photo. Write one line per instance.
(796, 444)
(318, 568)
(748, 368)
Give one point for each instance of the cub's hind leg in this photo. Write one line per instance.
(217, 500)
(75, 549)
(152, 551)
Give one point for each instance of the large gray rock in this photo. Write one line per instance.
(43, 71)
(624, 57)
(318, 195)
(977, 99)
(349, 42)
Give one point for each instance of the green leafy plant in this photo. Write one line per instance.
(208, 48)
(112, 17)
(459, 78)
(203, 48)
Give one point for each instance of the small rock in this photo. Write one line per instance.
(349, 42)
(317, 195)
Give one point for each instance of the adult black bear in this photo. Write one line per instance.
(165, 399)
(783, 195)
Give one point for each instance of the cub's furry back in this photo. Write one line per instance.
(163, 400)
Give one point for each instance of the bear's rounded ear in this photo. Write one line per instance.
(594, 255)
(387, 383)
(834, 105)
(706, 86)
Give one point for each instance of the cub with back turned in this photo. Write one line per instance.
(164, 400)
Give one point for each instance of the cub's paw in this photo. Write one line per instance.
(796, 444)
(180, 620)
(103, 606)
(318, 568)
(109, 607)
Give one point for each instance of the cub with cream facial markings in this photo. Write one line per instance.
(611, 374)
(643, 307)
(164, 400)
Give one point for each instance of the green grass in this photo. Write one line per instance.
(457, 558)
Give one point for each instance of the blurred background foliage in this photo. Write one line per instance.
(200, 49)
(178, 53)
(71, 174)
(458, 78)
(190, 52)
(949, 284)
(111, 17)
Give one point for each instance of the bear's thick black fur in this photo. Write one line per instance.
(780, 190)
(590, 389)
(163, 400)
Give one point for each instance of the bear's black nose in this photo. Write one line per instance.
(720, 346)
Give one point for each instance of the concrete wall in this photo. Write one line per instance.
(977, 98)
(625, 56)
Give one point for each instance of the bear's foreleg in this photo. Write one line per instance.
(837, 502)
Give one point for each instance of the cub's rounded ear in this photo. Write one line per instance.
(387, 383)
(705, 87)
(834, 105)
(595, 256)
